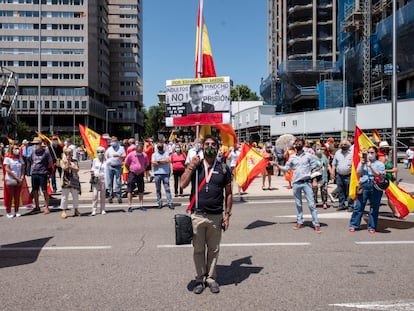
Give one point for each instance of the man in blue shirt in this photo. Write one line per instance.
(26, 153)
(161, 163)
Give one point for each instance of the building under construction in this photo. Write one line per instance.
(326, 54)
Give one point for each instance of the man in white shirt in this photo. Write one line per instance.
(196, 104)
(115, 156)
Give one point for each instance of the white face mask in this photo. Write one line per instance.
(16, 152)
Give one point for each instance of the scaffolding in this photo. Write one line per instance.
(8, 97)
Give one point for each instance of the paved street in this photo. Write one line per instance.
(128, 261)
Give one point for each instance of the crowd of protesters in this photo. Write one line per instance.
(52, 165)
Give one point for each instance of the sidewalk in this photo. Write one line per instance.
(253, 193)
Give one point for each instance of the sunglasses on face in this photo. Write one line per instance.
(100, 152)
(213, 144)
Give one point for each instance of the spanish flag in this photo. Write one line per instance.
(44, 137)
(249, 164)
(92, 140)
(204, 57)
(361, 143)
(403, 201)
(228, 136)
(376, 136)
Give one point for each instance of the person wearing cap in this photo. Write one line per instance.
(136, 163)
(26, 153)
(56, 152)
(98, 173)
(41, 163)
(383, 156)
(70, 169)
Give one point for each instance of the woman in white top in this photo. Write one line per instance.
(14, 168)
(98, 173)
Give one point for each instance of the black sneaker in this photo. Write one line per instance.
(119, 200)
(170, 206)
(130, 209)
(159, 205)
(198, 288)
(214, 287)
(111, 200)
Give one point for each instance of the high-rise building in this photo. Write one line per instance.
(79, 56)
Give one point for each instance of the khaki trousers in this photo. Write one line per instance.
(206, 233)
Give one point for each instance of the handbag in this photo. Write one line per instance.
(11, 182)
(94, 180)
(359, 189)
(74, 183)
(183, 229)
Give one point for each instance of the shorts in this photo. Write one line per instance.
(39, 181)
(135, 180)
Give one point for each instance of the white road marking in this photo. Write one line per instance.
(333, 215)
(240, 245)
(383, 242)
(54, 248)
(398, 305)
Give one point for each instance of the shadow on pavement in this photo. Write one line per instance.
(258, 224)
(236, 273)
(15, 254)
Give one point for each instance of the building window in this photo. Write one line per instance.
(283, 124)
(295, 122)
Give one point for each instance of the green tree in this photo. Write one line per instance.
(154, 121)
(243, 92)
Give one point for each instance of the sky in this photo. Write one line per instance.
(237, 30)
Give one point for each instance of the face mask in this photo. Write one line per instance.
(100, 155)
(36, 147)
(298, 148)
(139, 153)
(371, 157)
(318, 151)
(114, 144)
(344, 147)
(178, 150)
(210, 152)
(160, 149)
(55, 142)
(16, 152)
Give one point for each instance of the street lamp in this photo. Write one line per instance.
(106, 117)
(39, 85)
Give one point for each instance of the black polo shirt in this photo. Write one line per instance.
(211, 196)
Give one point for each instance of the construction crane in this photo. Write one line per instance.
(8, 97)
(366, 52)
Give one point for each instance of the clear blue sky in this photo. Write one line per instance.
(237, 30)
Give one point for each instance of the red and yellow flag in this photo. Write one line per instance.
(44, 137)
(207, 63)
(376, 136)
(228, 136)
(249, 164)
(361, 143)
(172, 136)
(403, 201)
(92, 140)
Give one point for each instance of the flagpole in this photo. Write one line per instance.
(199, 74)
(200, 39)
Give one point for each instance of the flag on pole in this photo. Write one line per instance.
(249, 164)
(44, 137)
(92, 140)
(361, 142)
(228, 136)
(376, 136)
(172, 136)
(204, 56)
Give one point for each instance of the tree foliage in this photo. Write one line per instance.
(243, 92)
